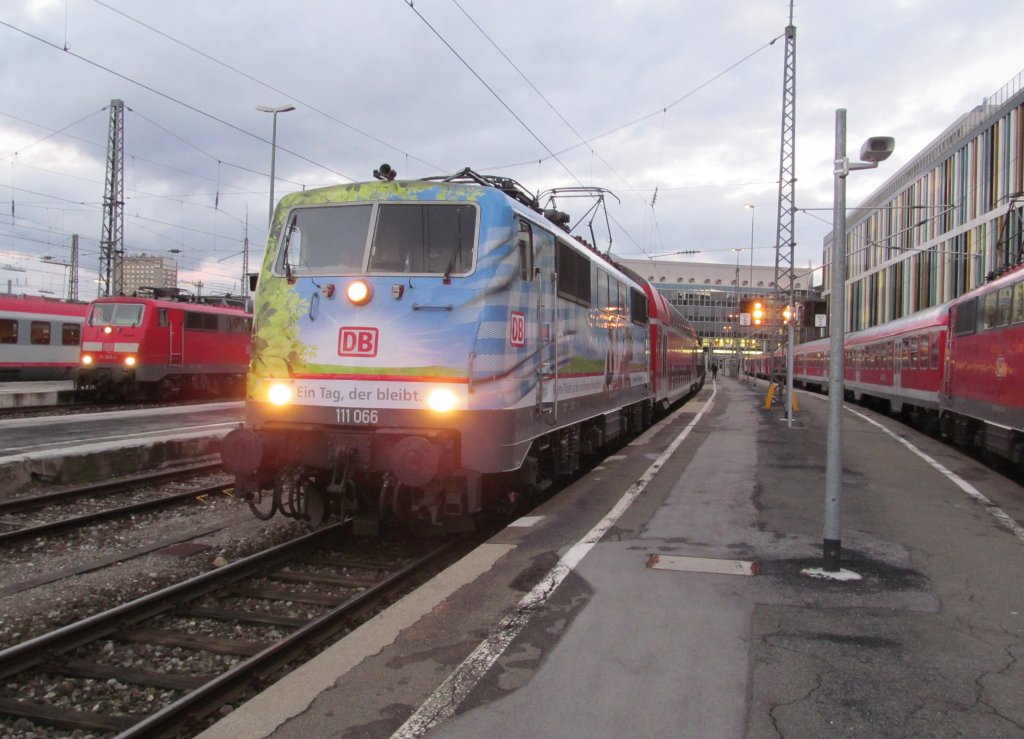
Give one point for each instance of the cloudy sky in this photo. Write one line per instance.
(674, 106)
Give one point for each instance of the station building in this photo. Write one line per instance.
(945, 223)
(710, 296)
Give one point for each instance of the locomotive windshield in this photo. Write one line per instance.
(116, 314)
(389, 238)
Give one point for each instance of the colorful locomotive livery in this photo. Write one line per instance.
(39, 337)
(164, 344)
(430, 350)
(955, 369)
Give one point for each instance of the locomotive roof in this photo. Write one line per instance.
(196, 305)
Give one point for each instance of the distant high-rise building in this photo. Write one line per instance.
(144, 270)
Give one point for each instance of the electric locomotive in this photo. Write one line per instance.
(429, 350)
(39, 337)
(162, 343)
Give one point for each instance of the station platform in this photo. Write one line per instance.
(665, 595)
(27, 394)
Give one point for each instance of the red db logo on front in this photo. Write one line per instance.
(357, 341)
(517, 329)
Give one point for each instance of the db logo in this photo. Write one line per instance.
(517, 329)
(356, 341)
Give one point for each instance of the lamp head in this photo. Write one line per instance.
(877, 149)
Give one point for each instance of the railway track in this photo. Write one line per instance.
(181, 653)
(20, 517)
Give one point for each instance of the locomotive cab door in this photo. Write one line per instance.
(173, 319)
(546, 287)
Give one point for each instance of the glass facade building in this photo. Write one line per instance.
(945, 223)
(710, 296)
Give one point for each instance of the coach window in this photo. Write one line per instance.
(70, 334)
(601, 290)
(8, 331)
(1018, 302)
(922, 356)
(935, 351)
(1004, 306)
(524, 246)
(40, 332)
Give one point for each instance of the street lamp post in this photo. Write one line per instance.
(874, 150)
(273, 148)
(750, 283)
(739, 307)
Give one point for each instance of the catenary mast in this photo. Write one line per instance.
(112, 235)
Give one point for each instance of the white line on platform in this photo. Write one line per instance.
(444, 701)
(997, 513)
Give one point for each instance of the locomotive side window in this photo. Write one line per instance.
(8, 331)
(966, 317)
(200, 321)
(326, 240)
(1003, 306)
(70, 334)
(574, 275)
(424, 239)
(524, 247)
(987, 319)
(638, 306)
(40, 332)
(1018, 302)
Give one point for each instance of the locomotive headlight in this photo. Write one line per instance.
(441, 400)
(86, 359)
(108, 330)
(280, 393)
(129, 361)
(359, 292)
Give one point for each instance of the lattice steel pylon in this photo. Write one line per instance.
(785, 242)
(112, 234)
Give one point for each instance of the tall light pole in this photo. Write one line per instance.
(750, 284)
(273, 149)
(739, 307)
(874, 150)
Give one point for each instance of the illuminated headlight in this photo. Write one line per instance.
(129, 361)
(358, 292)
(108, 330)
(441, 400)
(280, 393)
(86, 359)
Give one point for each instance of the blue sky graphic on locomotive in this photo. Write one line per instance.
(475, 338)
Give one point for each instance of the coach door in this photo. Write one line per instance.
(546, 285)
(175, 335)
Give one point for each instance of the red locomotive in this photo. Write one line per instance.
(955, 369)
(39, 337)
(164, 344)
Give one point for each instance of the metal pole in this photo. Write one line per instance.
(273, 161)
(750, 333)
(832, 545)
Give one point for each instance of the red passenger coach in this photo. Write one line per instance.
(677, 360)
(983, 389)
(39, 337)
(165, 346)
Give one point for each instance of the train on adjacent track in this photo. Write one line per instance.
(956, 369)
(427, 351)
(164, 344)
(39, 337)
